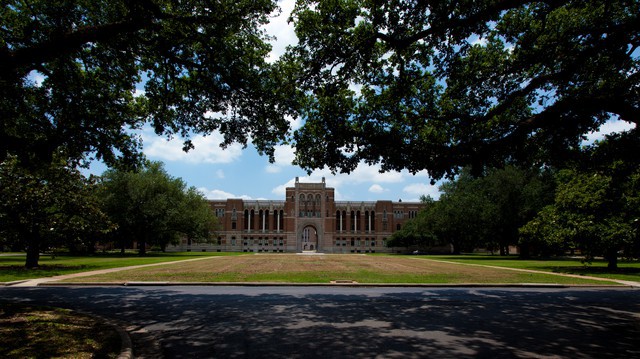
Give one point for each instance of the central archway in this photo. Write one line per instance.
(309, 238)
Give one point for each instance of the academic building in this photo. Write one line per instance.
(308, 219)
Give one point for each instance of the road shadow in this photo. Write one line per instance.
(206, 322)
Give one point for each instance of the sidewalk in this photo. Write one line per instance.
(36, 282)
(623, 282)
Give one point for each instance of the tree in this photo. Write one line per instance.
(439, 85)
(597, 204)
(154, 208)
(52, 208)
(419, 231)
(70, 73)
(482, 212)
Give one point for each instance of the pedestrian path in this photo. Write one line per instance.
(623, 282)
(38, 281)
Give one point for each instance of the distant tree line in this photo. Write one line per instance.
(592, 207)
(59, 208)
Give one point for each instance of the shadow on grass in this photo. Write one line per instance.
(47, 270)
(42, 332)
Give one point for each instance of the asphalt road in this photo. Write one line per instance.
(345, 322)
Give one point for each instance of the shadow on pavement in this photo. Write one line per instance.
(297, 323)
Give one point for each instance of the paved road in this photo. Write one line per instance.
(343, 322)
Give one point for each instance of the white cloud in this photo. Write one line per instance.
(609, 127)
(376, 188)
(207, 149)
(284, 155)
(279, 27)
(420, 189)
(37, 77)
(219, 194)
(295, 123)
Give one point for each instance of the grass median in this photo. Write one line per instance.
(292, 268)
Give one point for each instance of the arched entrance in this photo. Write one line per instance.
(309, 238)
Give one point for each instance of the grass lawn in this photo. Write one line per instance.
(40, 332)
(12, 267)
(627, 270)
(292, 268)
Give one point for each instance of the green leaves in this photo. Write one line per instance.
(443, 85)
(154, 208)
(202, 65)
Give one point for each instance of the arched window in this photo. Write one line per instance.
(373, 220)
(398, 227)
(251, 221)
(353, 221)
(338, 221)
(366, 221)
(281, 220)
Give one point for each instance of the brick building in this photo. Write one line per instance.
(308, 219)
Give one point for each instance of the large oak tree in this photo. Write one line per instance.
(438, 85)
(70, 73)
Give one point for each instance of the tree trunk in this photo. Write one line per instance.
(143, 244)
(612, 257)
(33, 250)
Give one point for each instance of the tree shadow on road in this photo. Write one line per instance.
(434, 323)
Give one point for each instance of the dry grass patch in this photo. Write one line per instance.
(291, 268)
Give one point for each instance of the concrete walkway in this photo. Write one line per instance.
(623, 282)
(38, 281)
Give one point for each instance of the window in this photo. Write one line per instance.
(219, 212)
(233, 225)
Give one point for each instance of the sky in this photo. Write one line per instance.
(242, 173)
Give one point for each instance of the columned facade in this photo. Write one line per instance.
(309, 219)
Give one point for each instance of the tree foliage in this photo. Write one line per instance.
(71, 74)
(597, 204)
(483, 212)
(439, 85)
(153, 208)
(54, 207)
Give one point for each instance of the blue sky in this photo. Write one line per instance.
(242, 173)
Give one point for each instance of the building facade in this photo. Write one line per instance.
(308, 219)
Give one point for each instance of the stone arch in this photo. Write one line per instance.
(309, 238)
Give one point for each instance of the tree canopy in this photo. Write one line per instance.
(154, 208)
(51, 208)
(71, 73)
(439, 85)
(597, 204)
(482, 212)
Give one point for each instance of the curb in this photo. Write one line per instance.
(8, 284)
(351, 284)
(126, 345)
